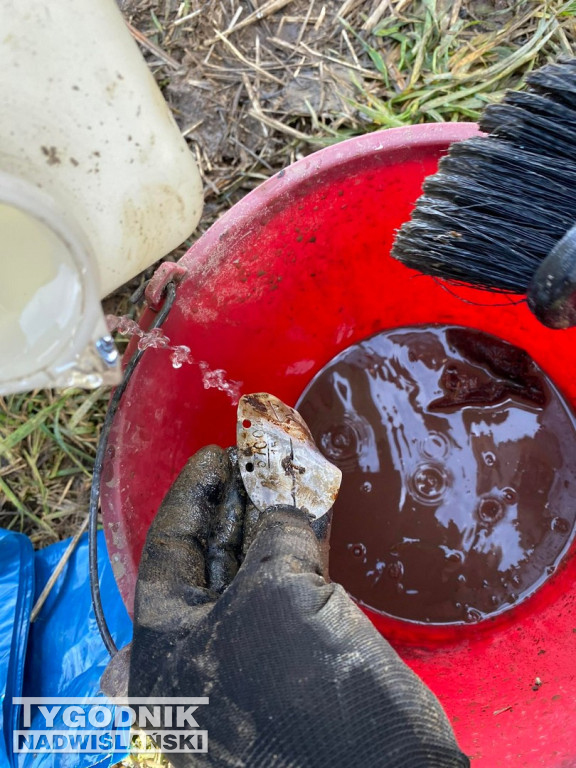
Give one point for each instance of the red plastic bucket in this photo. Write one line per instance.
(291, 275)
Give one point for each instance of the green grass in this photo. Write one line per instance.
(439, 66)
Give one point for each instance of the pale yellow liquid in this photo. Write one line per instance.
(40, 294)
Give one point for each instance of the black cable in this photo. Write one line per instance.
(170, 295)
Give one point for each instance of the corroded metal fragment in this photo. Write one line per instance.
(279, 461)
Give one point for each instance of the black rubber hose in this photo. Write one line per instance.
(107, 639)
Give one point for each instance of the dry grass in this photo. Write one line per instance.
(254, 85)
(47, 446)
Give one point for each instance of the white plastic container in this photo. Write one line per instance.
(96, 183)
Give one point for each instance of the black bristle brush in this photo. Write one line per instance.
(500, 213)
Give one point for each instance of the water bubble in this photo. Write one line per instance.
(377, 572)
(358, 550)
(435, 446)
(472, 615)
(560, 525)
(490, 510)
(340, 442)
(451, 378)
(455, 558)
(339, 439)
(510, 495)
(428, 483)
(366, 487)
(343, 438)
(396, 570)
(489, 458)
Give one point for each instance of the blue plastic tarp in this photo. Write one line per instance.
(16, 594)
(61, 654)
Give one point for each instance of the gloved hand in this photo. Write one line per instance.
(296, 675)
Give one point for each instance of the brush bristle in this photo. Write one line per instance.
(498, 204)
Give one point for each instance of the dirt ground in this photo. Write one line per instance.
(254, 85)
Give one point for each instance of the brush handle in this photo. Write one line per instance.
(552, 291)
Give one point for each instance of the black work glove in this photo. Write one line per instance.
(296, 675)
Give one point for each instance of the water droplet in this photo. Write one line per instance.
(124, 325)
(560, 525)
(366, 487)
(180, 355)
(515, 580)
(489, 458)
(154, 339)
(358, 550)
(219, 380)
(462, 578)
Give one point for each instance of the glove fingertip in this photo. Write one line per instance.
(284, 542)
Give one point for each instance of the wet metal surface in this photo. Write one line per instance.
(279, 461)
